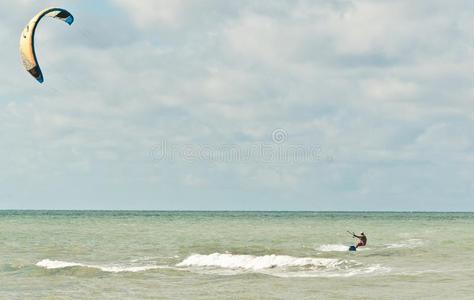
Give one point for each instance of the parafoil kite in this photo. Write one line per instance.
(27, 39)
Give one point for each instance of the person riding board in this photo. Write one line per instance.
(362, 239)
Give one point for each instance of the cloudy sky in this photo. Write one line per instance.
(157, 104)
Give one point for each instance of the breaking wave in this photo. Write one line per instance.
(276, 265)
(333, 248)
(251, 262)
(233, 264)
(58, 264)
(338, 248)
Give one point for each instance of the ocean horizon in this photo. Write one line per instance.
(249, 211)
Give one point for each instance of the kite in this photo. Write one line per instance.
(27, 39)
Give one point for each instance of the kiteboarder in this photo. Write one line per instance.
(362, 239)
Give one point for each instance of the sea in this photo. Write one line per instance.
(235, 255)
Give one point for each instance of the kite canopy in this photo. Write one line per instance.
(27, 39)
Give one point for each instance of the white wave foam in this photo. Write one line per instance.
(276, 265)
(410, 244)
(230, 264)
(333, 248)
(338, 248)
(372, 269)
(57, 264)
(250, 262)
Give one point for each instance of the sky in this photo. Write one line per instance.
(240, 105)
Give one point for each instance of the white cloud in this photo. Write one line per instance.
(370, 82)
(152, 12)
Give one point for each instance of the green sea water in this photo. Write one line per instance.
(234, 255)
